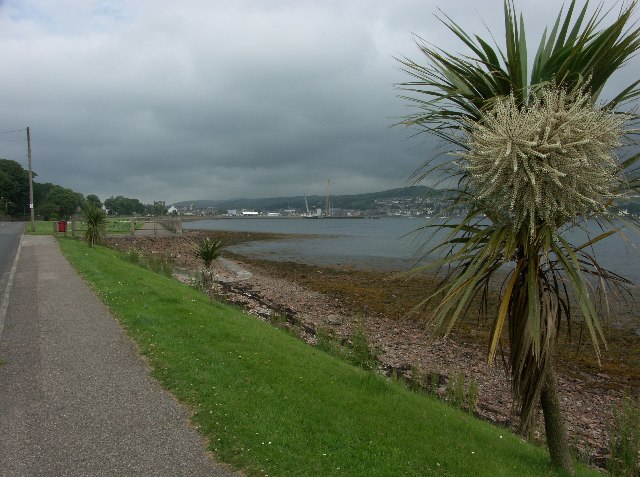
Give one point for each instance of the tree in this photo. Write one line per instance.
(14, 187)
(96, 220)
(94, 200)
(60, 203)
(40, 192)
(208, 250)
(533, 156)
(51, 201)
(123, 206)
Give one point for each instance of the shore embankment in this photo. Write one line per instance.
(335, 299)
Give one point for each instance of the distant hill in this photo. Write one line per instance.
(351, 202)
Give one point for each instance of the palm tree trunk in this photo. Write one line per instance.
(206, 279)
(554, 425)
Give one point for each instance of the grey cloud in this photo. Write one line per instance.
(197, 99)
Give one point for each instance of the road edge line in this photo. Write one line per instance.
(7, 291)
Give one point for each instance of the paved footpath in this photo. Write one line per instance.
(75, 397)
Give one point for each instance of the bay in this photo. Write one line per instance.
(389, 243)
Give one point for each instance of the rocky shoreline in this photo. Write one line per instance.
(404, 346)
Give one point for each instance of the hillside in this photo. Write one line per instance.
(352, 202)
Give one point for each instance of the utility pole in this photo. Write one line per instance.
(33, 220)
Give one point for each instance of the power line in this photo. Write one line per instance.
(14, 131)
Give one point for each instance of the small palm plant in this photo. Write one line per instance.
(208, 250)
(532, 157)
(96, 221)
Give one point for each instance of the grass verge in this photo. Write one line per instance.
(113, 226)
(272, 405)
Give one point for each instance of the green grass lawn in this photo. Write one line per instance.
(271, 405)
(118, 225)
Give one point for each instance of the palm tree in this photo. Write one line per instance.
(533, 155)
(208, 250)
(96, 221)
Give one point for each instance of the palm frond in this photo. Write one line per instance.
(96, 221)
(208, 250)
(570, 265)
(499, 322)
(547, 278)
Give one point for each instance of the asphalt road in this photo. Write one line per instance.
(10, 233)
(76, 399)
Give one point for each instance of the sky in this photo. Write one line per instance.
(207, 99)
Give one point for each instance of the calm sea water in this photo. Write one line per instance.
(387, 243)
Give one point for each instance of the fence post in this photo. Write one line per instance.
(155, 226)
(73, 229)
(132, 229)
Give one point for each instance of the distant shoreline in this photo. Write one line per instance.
(187, 219)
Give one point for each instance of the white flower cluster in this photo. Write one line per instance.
(547, 163)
